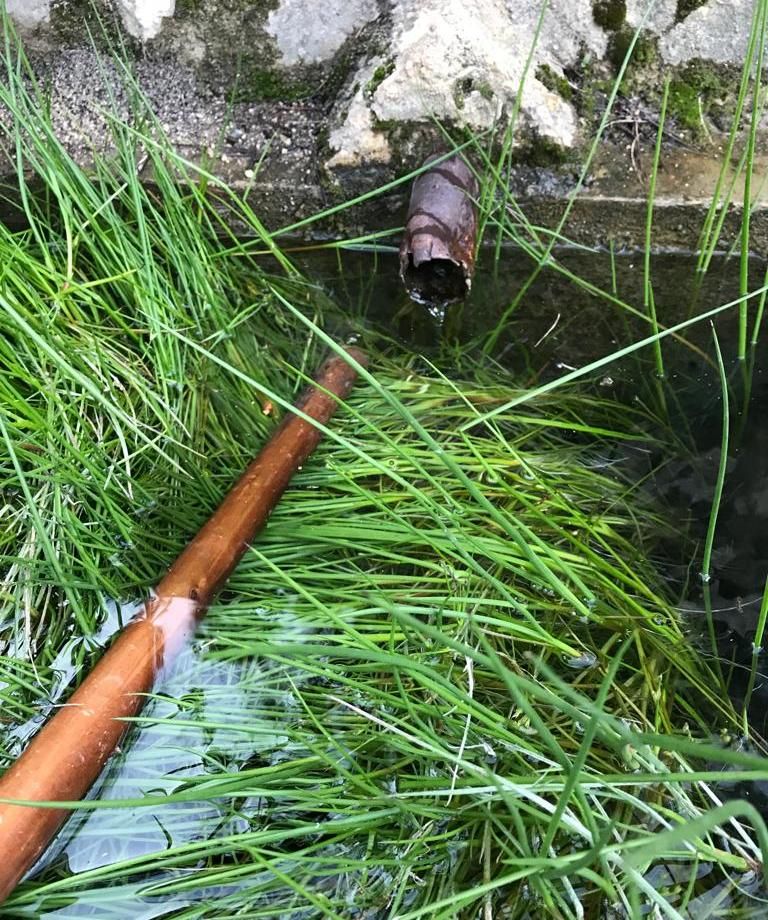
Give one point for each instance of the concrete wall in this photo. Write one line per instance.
(332, 97)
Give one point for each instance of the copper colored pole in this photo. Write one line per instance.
(68, 753)
(437, 253)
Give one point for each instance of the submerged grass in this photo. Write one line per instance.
(447, 680)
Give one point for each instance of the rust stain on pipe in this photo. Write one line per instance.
(437, 254)
(69, 752)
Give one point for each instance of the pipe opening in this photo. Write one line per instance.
(436, 282)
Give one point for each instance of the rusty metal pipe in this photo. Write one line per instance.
(68, 753)
(437, 254)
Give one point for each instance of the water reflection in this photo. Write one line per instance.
(207, 718)
(67, 665)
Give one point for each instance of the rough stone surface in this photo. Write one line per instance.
(306, 104)
(144, 18)
(339, 19)
(718, 31)
(29, 13)
(658, 17)
(354, 140)
(463, 60)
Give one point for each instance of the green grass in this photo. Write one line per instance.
(448, 680)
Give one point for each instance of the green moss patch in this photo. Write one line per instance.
(555, 82)
(379, 76)
(610, 14)
(466, 85)
(698, 89)
(544, 152)
(269, 85)
(645, 52)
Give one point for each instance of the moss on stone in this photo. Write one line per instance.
(544, 152)
(187, 6)
(461, 89)
(269, 85)
(610, 14)
(585, 80)
(554, 82)
(486, 90)
(644, 54)
(329, 87)
(684, 104)
(699, 88)
(70, 22)
(466, 85)
(379, 75)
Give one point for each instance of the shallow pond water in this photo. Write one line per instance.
(559, 326)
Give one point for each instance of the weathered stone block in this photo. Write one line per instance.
(330, 98)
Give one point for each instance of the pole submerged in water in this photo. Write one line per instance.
(69, 752)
